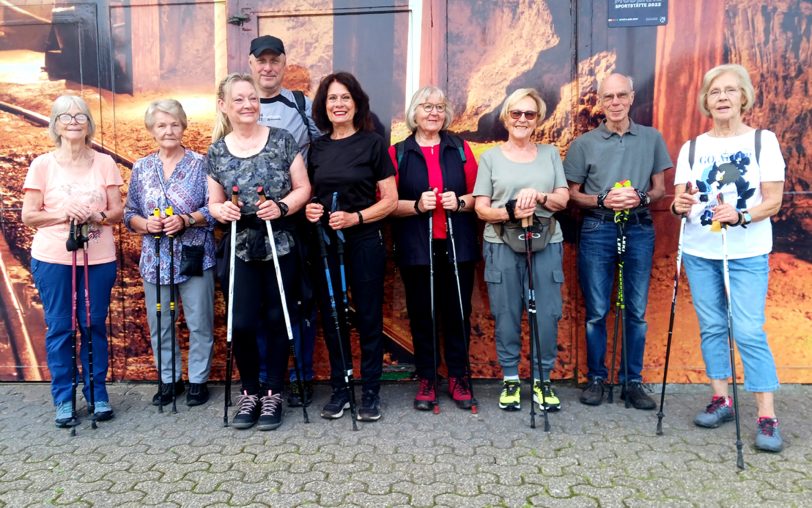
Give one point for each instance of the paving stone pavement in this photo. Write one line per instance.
(592, 456)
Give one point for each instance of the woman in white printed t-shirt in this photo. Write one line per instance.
(745, 167)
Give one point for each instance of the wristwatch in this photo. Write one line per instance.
(746, 218)
(192, 220)
(601, 198)
(645, 200)
(460, 205)
(283, 208)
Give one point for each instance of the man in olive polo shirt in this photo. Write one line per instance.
(617, 150)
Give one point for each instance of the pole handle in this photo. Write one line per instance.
(527, 222)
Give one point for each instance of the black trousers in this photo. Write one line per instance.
(455, 328)
(258, 308)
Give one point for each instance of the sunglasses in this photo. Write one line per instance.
(66, 118)
(530, 115)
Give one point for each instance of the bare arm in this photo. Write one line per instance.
(580, 198)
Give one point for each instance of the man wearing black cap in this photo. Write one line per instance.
(289, 110)
(280, 107)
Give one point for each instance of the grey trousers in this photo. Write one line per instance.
(506, 275)
(197, 295)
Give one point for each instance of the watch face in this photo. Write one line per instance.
(192, 220)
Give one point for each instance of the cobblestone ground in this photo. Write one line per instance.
(603, 456)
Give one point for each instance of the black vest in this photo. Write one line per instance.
(411, 233)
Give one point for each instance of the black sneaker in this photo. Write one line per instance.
(339, 401)
(638, 396)
(370, 409)
(166, 393)
(593, 393)
(270, 416)
(248, 414)
(198, 394)
(295, 398)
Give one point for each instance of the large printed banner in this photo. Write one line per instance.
(121, 57)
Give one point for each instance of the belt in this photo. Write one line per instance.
(636, 216)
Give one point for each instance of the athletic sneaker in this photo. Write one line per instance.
(638, 397)
(426, 396)
(165, 393)
(768, 437)
(198, 394)
(510, 398)
(716, 413)
(64, 415)
(460, 391)
(270, 416)
(248, 413)
(593, 393)
(103, 411)
(551, 400)
(370, 409)
(295, 398)
(339, 401)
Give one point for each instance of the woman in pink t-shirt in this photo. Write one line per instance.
(73, 184)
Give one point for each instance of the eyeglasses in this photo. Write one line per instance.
(429, 107)
(530, 115)
(346, 98)
(65, 118)
(729, 91)
(610, 97)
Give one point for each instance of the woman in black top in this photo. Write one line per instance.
(436, 172)
(351, 163)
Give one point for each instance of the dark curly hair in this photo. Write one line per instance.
(362, 119)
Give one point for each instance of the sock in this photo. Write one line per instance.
(511, 379)
(762, 418)
(728, 400)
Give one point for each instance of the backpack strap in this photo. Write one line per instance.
(299, 97)
(400, 148)
(458, 144)
(758, 145)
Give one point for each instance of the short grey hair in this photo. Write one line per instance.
(629, 78)
(743, 78)
(418, 98)
(171, 107)
(63, 104)
(518, 95)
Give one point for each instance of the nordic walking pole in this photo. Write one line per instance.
(235, 198)
(621, 217)
(660, 413)
(527, 223)
(83, 241)
(284, 301)
(72, 247)
(450, 229)
(726, 270)
(157, 213)
(434, 344)
(348, 381)
(343, 273)
(170, 212)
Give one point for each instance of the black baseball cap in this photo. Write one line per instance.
(267, 43)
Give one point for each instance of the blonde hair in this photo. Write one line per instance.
(171, 107)
(63, 104)
(517, 96)
(743, 78)
(222, 125)
(418, 98)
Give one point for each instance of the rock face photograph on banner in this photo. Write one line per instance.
(122, 57)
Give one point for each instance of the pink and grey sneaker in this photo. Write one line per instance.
(719, 411)
(426, 396)
(460, 391)
(768, 437)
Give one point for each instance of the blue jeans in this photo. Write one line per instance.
(597, 260)
(53, 282)
(748, 290)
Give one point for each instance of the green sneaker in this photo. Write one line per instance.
(510, 398)
(550, 398)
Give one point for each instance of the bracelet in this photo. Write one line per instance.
(417, 207)
(360, 217)
(674, 208)
(103, 220)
